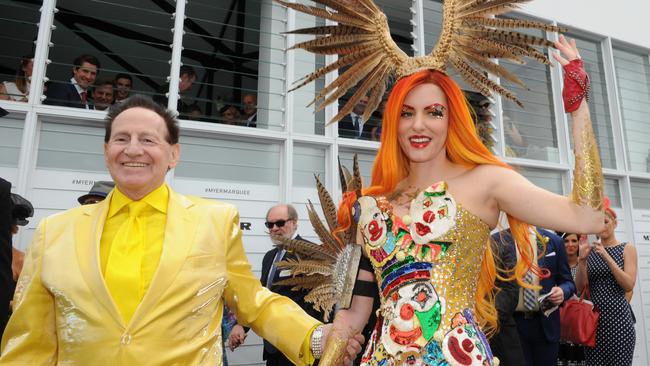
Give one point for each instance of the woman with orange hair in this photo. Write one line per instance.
(425, 221)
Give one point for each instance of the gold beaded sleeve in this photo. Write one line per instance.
(588, 174)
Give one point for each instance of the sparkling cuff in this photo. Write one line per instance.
(316, 344)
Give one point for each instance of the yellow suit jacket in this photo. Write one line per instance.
(64, 314)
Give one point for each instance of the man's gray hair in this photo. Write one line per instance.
(291, 211)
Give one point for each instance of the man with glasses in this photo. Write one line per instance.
(281, 221)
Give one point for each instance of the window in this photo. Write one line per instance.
(235, 48)
(530, 132)
(640, 194)
(548, 179)
(305, 117)
(19, 22)
(591, 54)
(613, 192)
(633, 79)
(96, 41)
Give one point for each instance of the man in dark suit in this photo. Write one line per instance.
(103, 95)
(75, 93)
(505, 343)
(281, 220)
(6, 276)
(249, 109)
(540, 334)
(353, 126)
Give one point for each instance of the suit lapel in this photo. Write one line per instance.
(88, 232)
(180, 230)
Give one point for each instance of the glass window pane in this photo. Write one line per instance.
(640, 194)
(633, 79)
(591, 53)
(548, 179)
(237, 51)
(613, 192)
(11, 135)
(530, 132)
(121, 37)
(19, 22)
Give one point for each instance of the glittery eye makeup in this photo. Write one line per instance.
(436, 110)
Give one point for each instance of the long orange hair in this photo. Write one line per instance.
(463, 147)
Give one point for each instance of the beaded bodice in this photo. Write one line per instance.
(427, 265)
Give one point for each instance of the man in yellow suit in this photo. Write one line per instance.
(140, 278)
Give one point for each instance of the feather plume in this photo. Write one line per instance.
(377, 92)
(327, 204)
(305, 267)
(340, 62)
(341, 7)
(329, 243)
(517, 37)
(325, 14)
(374, 77)
(304, 247)
(481, 81)
(330, 41)
(493, 68)
(494, 7)
(513, 23)
(300, 283)
(342, 177)
(332, 30)
(349, 78)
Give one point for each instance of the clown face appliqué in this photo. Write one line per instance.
(465, 344)
(412, 315)
(375, 227)
(432, 213)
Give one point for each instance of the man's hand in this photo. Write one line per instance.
(237, 337)
(352, 346)
(557, 296)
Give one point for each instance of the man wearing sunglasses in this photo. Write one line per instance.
(281, 221)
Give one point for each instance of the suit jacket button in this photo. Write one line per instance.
(126, 339)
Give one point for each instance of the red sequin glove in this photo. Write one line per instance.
(576, 85)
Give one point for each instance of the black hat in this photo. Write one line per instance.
(22, 210)
(99, 189)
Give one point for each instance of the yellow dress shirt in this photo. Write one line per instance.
(154, 217)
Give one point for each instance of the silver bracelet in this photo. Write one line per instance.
(316, 344)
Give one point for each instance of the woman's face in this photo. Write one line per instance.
(571, 244)
(423, 123)
(29, 66)
(610, 226)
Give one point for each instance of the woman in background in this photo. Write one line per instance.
(571, 354)
(608, 269)
(18, 90)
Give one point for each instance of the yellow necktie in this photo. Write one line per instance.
(123, 269)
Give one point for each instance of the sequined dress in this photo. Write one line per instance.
(427, 266)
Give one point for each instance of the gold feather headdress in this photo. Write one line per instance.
(471, 37)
